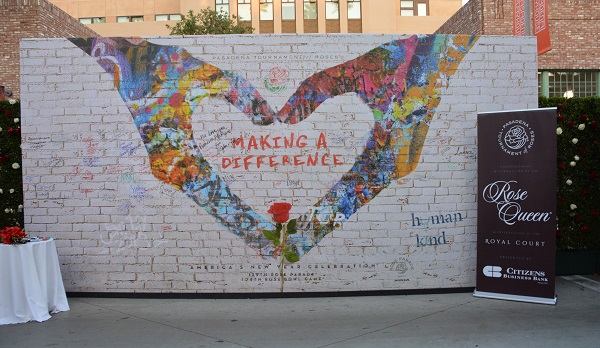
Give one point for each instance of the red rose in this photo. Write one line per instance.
(584, 228)
(577, 218)
(584, 118)
(584, 192)
(593, 123)
(594, 174)
(12, 235)
(559, 106)
(571, 123)
(561, 166)
(8, 112)
(581, 149)
(280, 211)
(594, 212)
(561, 118)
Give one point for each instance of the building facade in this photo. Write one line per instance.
(148, 17)
(572, 66)
(30, 19)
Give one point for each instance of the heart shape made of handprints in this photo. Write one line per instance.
(398, 81)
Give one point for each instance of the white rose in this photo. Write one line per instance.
(16, 166)
(20, 207)
(0, 129)
(569, 182)
(11, 190)
(558, 131)
(16, 120)
(581, 126)
(576, 158)
(7, 210)
(573, 206)
(575, 140)
(572, 164)
(12, 101)
(1, 191)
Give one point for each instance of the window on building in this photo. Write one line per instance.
(167, 17)
(288, 10)
(244, 10)
(354, 9)
(266, 10)
(414, 7)
(568, 84)
(310, 9)
(332, 9)
(222, 6)
(123, 19)
(92, 20)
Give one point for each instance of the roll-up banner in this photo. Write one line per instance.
(516, 208)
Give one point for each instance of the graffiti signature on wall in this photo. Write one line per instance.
(399, 81)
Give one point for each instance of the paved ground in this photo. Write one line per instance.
(441, 320)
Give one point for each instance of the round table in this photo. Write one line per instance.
(31, 285)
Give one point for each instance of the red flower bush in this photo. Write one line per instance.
(10, 155)
(577, 172)
(280, 212)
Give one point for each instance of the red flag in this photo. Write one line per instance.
(540, 25)
(519, 17)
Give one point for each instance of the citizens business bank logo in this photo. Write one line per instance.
(492, 271)
(513, 273)
(516, 137)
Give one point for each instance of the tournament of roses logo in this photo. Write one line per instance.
(516, 137)
(277, 80)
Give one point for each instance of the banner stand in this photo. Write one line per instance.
(516, 206)
(509, 297)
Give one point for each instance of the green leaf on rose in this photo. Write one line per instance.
(291, 256)
(291, 226)
(272, 235)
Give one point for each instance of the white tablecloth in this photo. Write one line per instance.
(31, 286)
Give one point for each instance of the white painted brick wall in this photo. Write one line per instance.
(88, 183)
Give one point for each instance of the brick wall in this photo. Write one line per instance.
(30, 19)
(120, 227)
(467, 20)
(574, 27)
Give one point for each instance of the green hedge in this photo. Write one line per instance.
(578, 202)
(11, 185)
(578, 170)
